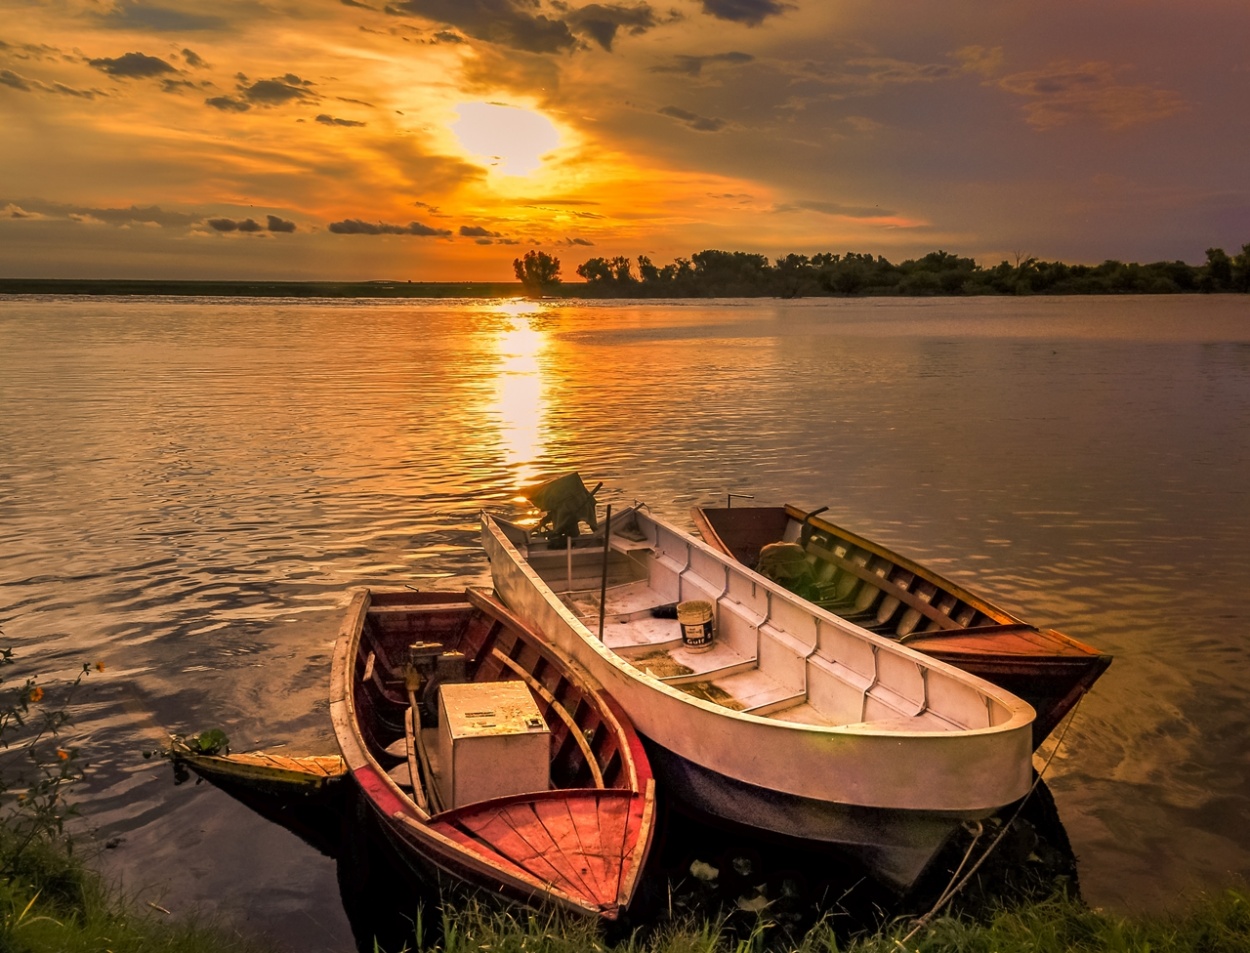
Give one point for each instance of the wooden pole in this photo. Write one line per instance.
(603, 583)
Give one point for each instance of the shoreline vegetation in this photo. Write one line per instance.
(721, 274)
(52, 901)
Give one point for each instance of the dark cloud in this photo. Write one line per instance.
(693, 65)
(484, 236)
(355, 3)
(33, 51)
(578, 241)
(132, 66)
(328, 120)
(39, 210)
(356, 226)
(602, 21)
(133, 15)
(227, 104)
(62, 90)
(178, 85)
(277, 91)
(193, 58)
(693, 121)
(120, 217)
(750, 12)
(266, 92)
(506, 22)
(10, 78)
(519, 24)
(250, 225)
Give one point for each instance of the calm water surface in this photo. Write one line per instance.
(188, 489)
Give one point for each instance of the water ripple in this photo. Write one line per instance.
(223, 472)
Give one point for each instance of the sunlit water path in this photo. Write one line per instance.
(188, 488)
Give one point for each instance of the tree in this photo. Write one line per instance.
(595, 270)
(622, 270)
(1219, 268)
(1241, 269)
(537, 271)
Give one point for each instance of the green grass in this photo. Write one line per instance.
(1214, 924)
(50, 902)
(53, 903)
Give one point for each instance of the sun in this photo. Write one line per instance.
(509, 139)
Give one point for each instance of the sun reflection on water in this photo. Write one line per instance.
(520, 389)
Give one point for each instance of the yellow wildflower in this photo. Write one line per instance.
(36, 694)
(99, 666)
(62, 754)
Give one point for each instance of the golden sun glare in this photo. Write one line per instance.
(508, 138)
(521, 391)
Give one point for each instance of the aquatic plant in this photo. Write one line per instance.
(35, 765)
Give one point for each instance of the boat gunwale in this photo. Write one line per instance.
(973, 599)
(1020, 713)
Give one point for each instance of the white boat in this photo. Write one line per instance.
(792, 719)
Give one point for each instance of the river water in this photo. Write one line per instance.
(190, 487)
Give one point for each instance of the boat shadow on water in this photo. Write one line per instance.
(698, 871)
(708, 872)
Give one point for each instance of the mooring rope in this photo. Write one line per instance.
(958, 883)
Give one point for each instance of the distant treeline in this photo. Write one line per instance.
(739, 274)
(723, 274)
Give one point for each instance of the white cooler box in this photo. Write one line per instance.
(492, 742)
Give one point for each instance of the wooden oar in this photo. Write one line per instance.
(412, 723)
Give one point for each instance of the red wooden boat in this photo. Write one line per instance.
(486, 755)
(889, 594)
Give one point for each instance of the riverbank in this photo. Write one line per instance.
(52, 903)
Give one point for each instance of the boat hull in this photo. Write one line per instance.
(897, 846)
(1048, 669)
(581, 847)
(892, 796)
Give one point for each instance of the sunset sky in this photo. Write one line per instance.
(440, 139)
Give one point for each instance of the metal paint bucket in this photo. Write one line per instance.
(695, 619)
